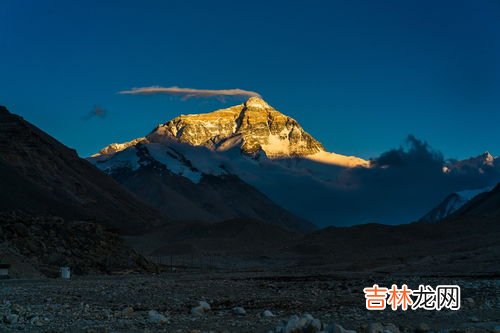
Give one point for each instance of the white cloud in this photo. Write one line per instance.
(187, 93)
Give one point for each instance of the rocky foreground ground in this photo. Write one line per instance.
(235, 302)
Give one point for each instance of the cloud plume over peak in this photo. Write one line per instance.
(187, 93)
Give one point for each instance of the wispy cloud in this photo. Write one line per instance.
(96, 111)
(187, 93)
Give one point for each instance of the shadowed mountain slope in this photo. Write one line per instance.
(41, 176)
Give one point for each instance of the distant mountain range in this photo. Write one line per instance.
(248, 161)
(484, 164)
(209, 196)
(197, 166)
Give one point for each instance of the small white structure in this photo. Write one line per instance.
(4, 271)
(65, 272)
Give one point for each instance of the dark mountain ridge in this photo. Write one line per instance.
(41, 176)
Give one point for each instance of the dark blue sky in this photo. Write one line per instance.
(358, 75)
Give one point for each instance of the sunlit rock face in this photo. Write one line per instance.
(253, 126)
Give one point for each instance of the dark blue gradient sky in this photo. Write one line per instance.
(358, 75)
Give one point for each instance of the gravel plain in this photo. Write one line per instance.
(237, 302)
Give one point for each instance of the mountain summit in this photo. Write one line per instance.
(253, 127)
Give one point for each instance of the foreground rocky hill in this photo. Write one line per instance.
(39, 246)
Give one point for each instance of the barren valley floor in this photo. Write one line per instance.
(124, 303)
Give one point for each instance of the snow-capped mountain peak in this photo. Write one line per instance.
(116, 147)
(257, 102)
(253, 127)
(482, 163)
(488, 158)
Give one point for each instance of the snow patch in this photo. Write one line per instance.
(338, 160)
(276, 146)
(123, 159)
(173, 161)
